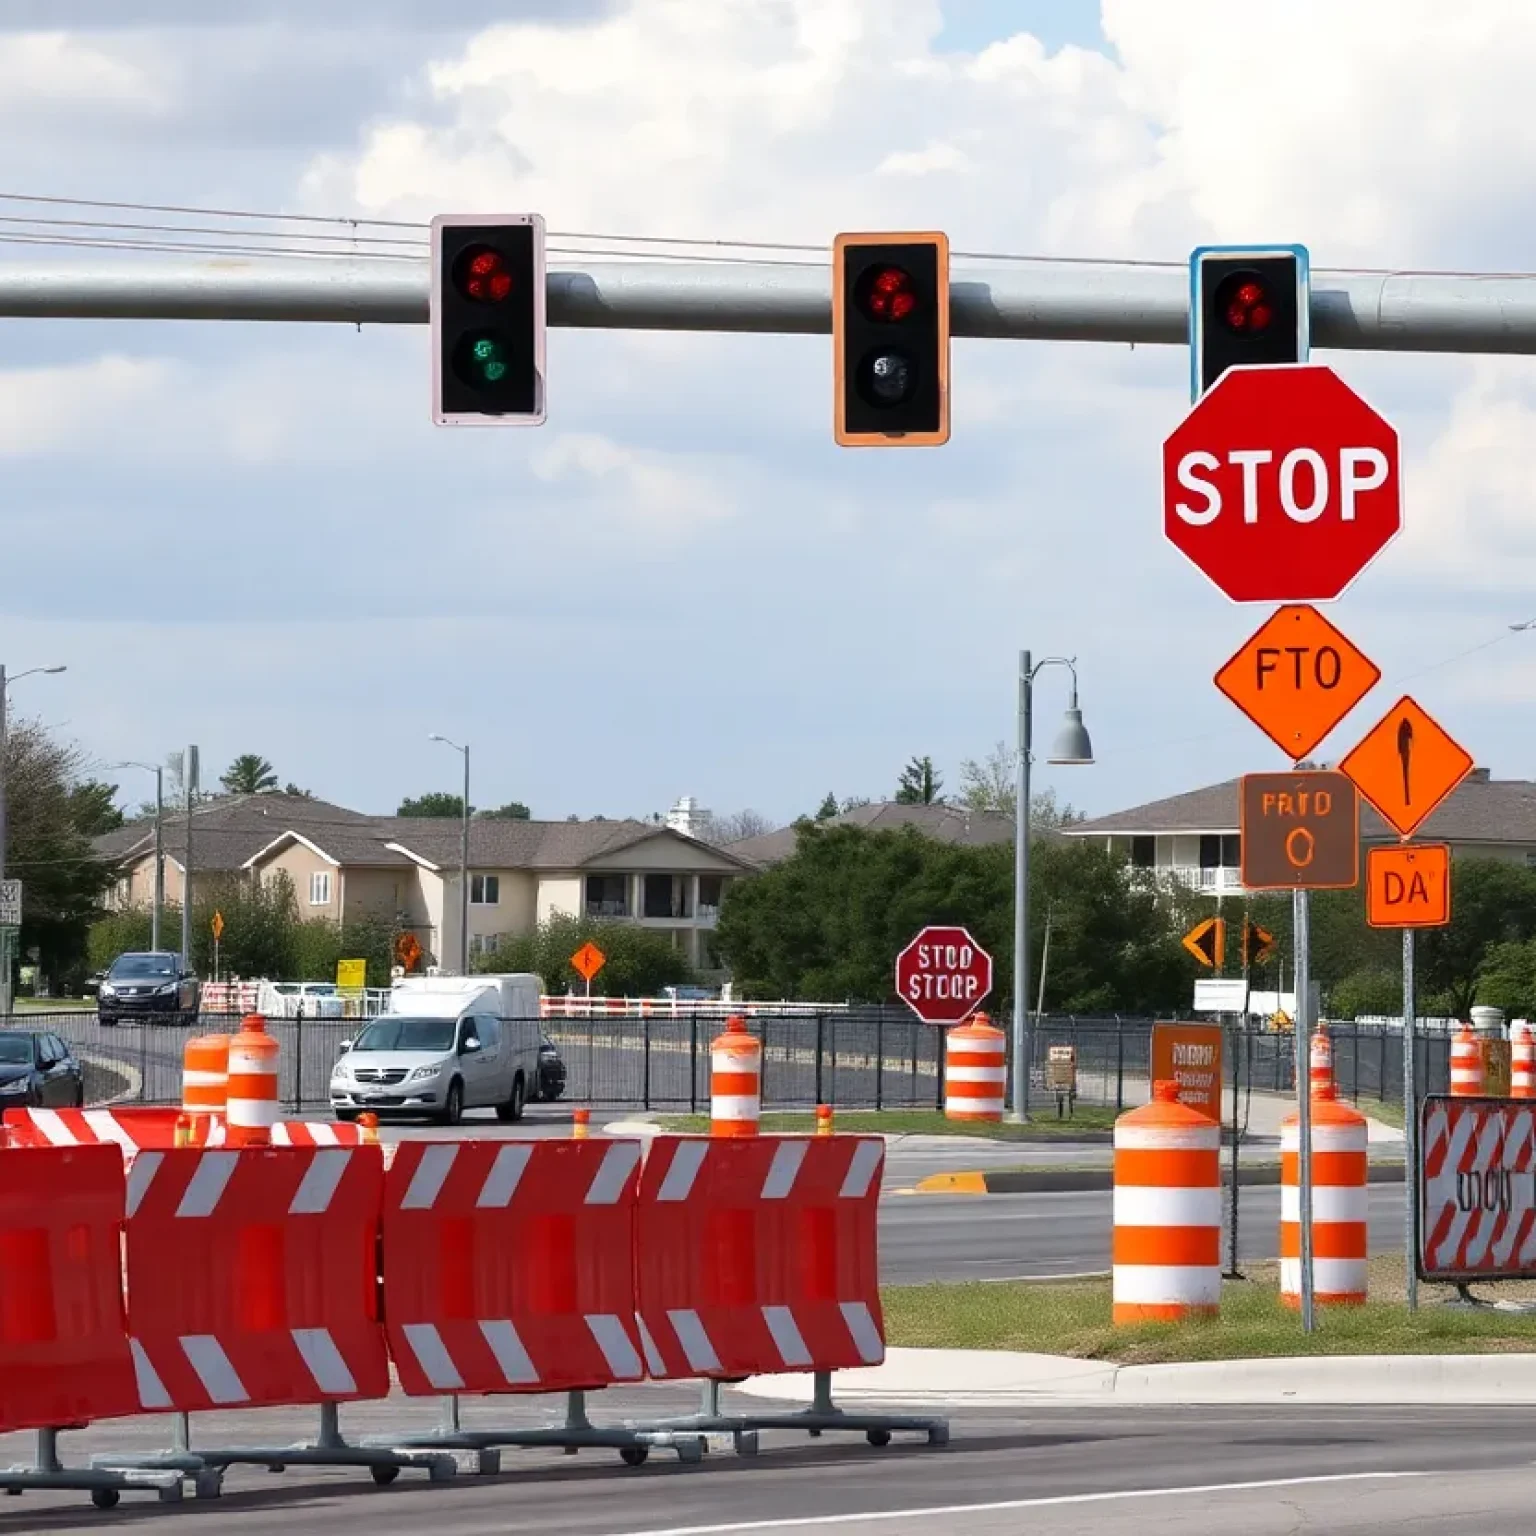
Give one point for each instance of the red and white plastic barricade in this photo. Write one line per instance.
(63, 1348)
(759, 1255)
(136, 1129)
(509, 1265)
(1478, 1214)
(252, 1276)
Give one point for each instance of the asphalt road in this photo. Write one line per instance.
(1031, 1236)
(1057, 1472)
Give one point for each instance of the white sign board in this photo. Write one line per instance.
(10, 903)
(1221, 995)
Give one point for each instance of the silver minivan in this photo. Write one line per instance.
(442, 1053)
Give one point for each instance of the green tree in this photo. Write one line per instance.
(290, 788)
(1493, 902)
(828, 808)
(249, 774)
(94, 808)
(1366, 992)
(639, 962)
(919, 783)
(51, 816)
(436, 802)
(513, 810)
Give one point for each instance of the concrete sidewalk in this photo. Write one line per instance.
(1004, 1378)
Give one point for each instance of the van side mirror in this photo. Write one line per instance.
(470, 1046)
(344, 1047)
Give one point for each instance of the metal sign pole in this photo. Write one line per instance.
(1410, 1130)
(1302, 1028)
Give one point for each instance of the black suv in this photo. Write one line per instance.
(148, 984)
(37, 1070)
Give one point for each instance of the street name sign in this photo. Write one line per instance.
(1408, 885)
(1281, 484)
(1406, 765)
(1300, 831)
(943, 975)
(1296, 677)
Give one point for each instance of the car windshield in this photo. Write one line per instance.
(15, 1050)
(126, 967)
(407, 1035)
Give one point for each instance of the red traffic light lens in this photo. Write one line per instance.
(482, 273)
(887, 293)
(1244, 304)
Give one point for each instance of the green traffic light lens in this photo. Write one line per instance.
(483, 360)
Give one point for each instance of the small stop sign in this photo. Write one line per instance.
(1281, 484)
(943, 975)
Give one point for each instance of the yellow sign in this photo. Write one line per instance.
(218, 926)
(351, 975)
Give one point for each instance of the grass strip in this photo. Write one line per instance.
(919, 1122)
(1072, 1318)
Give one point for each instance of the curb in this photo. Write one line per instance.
(1064, 1180)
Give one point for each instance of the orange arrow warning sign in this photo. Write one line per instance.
(588, 961)
(1406, 766)
(1207, 942)
(1297, 677)
(1408, 886)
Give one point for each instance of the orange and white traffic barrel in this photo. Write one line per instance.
(1320, 1061)
(1522, 1061)
(735, 1081)
(1167, 1212)
(1340, 1209)
(1466, 1064)
(205, 1075)
(251, 1098)
(975, 1071)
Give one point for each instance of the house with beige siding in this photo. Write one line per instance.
(345, 866)
(1195, 838)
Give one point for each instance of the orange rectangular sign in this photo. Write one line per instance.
(1190, 1056)
(1408, 885)
(1297, 677)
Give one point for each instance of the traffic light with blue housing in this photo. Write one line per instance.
(890, 340)
(487, 311)
(1247, 304)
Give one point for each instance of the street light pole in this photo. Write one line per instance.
(6, 958)
(1071, 746)
(154, 914)
(463, 854)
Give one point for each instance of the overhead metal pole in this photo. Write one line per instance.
(1043, 300)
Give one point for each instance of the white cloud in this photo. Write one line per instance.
(56, 73)
(645, 493)
(43, 409)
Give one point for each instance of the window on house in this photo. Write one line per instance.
(485, 943)
(1143, 852)
(663, 897)
(1231, 850)
(484, 890)
(1210, 850)
(607, 896)
(320, 888)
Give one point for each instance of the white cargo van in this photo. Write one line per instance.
(445, 1044)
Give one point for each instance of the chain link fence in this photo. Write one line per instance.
(869, 1058)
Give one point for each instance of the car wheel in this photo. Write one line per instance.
(78, 1102)
(453, 1106)
(346, 1116)
(106, 1021)
(513, 1108)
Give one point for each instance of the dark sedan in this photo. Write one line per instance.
(551, 1083)
(149, 984)
(38, 1071)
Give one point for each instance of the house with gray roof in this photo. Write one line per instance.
(1195, 837)
(405, 870)
(944, 823)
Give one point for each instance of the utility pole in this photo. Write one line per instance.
(463, 854)
(189, 792)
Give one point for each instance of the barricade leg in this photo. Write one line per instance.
(106, 1485)
(206, 1466)
(822, 1414)
(575, 1433)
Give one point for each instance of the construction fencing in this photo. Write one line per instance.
(861, 1058)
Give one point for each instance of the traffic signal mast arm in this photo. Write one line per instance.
(1038, 301)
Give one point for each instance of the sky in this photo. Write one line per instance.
(250, 536)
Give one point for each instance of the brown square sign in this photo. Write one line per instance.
(1300, 831)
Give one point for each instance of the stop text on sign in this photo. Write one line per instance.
(943, 974)
(1300, 488)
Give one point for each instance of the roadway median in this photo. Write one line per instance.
(1059, 1180)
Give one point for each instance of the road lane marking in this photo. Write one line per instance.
(1121, 1495)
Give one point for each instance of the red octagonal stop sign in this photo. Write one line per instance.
(943, 975)
(1281, 484)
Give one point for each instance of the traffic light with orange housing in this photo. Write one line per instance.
(890, 340)
(487, 312)
(1247, 304)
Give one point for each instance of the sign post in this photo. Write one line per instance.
(217, 925)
